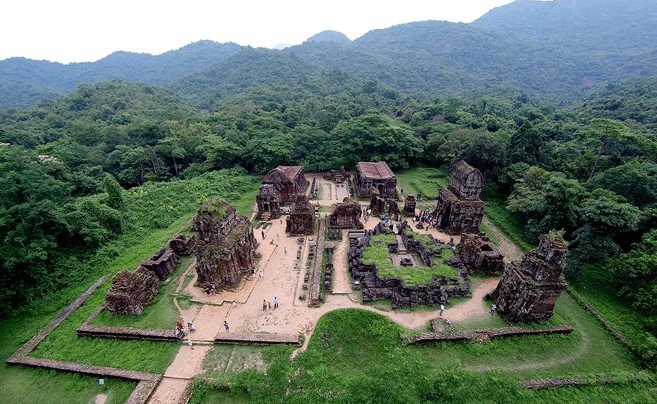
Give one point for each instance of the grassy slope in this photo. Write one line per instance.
(355, 355)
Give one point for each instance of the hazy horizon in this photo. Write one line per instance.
(72, 31)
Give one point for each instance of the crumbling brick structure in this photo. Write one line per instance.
(459, 209)
(337, 176)
(365, 277)
(480, 255)
(375, 175)
(409, 205)
(181, 245)
(380, 205)
(132, 291)
(269, 202)
(528, 291)
(225, 248)
(302, 217)
(288, 181)
(345, 215)
(162, 263)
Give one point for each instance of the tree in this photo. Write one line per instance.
(604, 216)
(606, 132)
(525, 145)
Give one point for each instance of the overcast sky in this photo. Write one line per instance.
(87, 30)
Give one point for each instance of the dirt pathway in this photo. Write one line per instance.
(341, 279)
(510, 251)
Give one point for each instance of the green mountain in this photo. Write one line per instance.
(557, 51)
(24, 82)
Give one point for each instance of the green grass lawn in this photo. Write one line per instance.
(422, 179)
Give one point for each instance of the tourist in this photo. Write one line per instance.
(264, 305)
(263, 234)
(493, 309)
(226, 326)
(191, 326)
(189, 342)
(285, 250)
(442, 309)
(275, 302)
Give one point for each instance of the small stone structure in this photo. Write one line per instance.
(337, 176)
(345, 215)
(528, 291)
(181, 245)
(269, 202)
(225, 248)
(409, 205)
(459, 209)
(162, 263)
(288, 181)
(132, 291)
(302, 217)
(380, 205)
(480, 255)
(375, 175)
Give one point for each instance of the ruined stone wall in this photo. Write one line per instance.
(366, 277)
(528, 291)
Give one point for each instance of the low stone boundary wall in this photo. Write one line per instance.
(593, 380)
(126, 333)
(486, 334)
(256, 338)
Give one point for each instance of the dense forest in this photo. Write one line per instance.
(558, 151)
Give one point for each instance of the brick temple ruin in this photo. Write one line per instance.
(459, 209)
(409, 205)
(302, 217)
(225, 247)
(365, 275)
(131, 291)
(480, 255)
(268, 201)
(182, 245)
(528, 291)
(288, 181)
(380, 205)
(375, 176)
(345, 215)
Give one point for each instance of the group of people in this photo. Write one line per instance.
(182, 332)
(266, 305)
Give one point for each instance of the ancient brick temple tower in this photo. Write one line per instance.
(528, 291)
(225, 248)
(459, 209)
(302, 217)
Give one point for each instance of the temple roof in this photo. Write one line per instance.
(289, 171)
(462, 170)
(378, 170)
